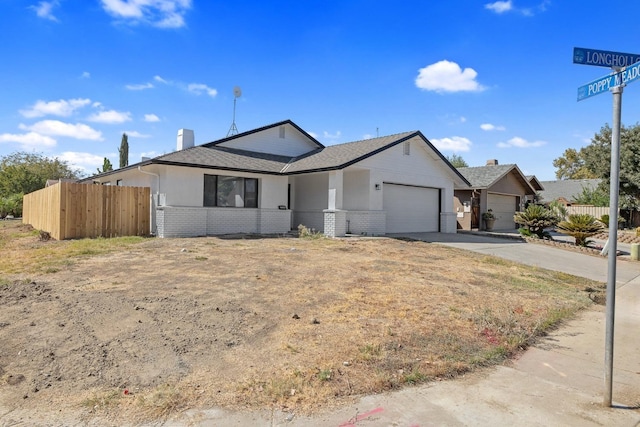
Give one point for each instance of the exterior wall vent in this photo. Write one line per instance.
(281, 129)
(185, 139)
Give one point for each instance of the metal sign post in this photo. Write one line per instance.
(626, 68)
(613, 244)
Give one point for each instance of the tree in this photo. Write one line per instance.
(572, 166)
(106, 166)
(124, 151)
(23, 172)
(597, 196)
(594, 161)
(457, 161)
(598, 159)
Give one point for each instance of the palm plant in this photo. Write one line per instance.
(536, 219)
(580, 227)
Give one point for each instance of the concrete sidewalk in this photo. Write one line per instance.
(559, 382)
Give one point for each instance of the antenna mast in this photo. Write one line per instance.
(233, 130)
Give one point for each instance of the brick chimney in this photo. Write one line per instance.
(492, 162)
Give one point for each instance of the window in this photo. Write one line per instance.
(230, 191)
(407, 148)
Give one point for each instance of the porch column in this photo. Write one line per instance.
(335, 219)
(335, 190)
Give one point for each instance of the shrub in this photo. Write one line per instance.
(308, 233)
(605, 220)
(559, 210)
(536, 219)
(580, 227)
(11, 205)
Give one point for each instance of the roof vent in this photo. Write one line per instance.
(185, 139)
(492, 162)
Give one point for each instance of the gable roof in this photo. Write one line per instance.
(535, 183)
(261, 129)
(567, 189)
(484, 177)
(213, 156)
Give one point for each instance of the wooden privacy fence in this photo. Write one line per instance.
(71, 211)
(594, 211)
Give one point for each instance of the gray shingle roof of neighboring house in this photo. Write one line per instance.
(483, 177)
(565, 188)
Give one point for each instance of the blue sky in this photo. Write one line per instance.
(480, 79)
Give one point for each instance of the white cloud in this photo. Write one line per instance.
(136, 134)
(29, 140)
(455, 143)
(499, 6)
(490, 127)
(463, 119)
(199, 89)
(85, 75)
(58, 128)
(313, 135)
(44, 10)
(78, 159)
(150, 154)
(141, 86)
(447, 76)
(110, 116)
(160, 79)
(151, 118)
(159, 13)
(518, 142)
(63, 108)
(367, 136)
(327, 135)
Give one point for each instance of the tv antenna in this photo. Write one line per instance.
(237, 92)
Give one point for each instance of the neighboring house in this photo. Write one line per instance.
(271, 179)
(537, 185)
(565, 191)
(501, 188)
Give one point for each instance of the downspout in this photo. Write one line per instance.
(155, 226)
(151, 173)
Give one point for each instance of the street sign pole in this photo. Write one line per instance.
(613, 242)
(626, 69)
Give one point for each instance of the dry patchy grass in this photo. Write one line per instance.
(297, 323)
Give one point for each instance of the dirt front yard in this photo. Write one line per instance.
(136, 329)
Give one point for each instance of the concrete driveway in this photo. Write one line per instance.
(512, 248)
(559, 382)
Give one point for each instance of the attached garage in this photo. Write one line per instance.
(411, 209)
(504, 208)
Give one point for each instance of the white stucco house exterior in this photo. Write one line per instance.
(271, 179)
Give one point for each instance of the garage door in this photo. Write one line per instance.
(411, 209)
(504, 207)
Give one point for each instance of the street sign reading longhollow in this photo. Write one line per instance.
(604, 58)
(604, 84)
